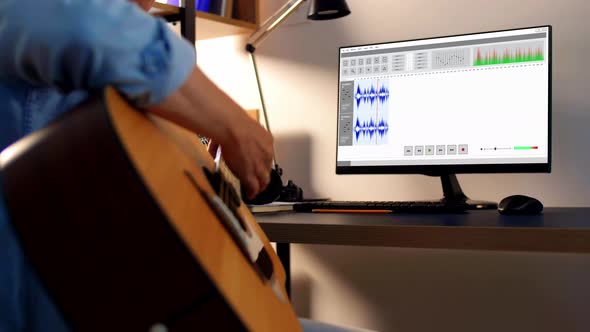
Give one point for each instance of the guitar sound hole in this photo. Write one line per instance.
(214, 179)
(264, 264)
(224, 190)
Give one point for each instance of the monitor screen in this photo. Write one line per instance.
(459, 104)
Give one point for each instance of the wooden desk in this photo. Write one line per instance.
(556, 230)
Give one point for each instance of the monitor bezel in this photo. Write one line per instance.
(463, 168)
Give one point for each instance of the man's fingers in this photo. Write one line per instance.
(252, 189)
(263, 176)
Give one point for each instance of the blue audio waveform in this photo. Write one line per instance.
(370, 129)
(371, 95)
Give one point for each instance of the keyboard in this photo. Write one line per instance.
(380, 207)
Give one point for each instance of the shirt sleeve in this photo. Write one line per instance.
(90, 44)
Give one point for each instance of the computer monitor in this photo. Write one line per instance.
(473, 103)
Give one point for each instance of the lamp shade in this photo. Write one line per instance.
(327, 9)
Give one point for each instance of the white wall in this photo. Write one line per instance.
(422, 290)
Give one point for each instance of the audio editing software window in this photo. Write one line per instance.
(472, 99)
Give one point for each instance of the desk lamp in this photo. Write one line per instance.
(318, 10)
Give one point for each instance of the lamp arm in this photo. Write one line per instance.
(271, 23)
(263, 105)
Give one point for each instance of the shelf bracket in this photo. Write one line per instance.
(188, 21)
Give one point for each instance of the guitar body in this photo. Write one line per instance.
(116, 215)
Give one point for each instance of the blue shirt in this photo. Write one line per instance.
(53, 54)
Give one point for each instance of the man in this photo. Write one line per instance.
(55, 53)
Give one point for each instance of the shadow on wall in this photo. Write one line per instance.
(293, 152)
(301, 288)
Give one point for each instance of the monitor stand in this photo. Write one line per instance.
(453, 194)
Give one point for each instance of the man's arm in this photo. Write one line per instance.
(246, 146)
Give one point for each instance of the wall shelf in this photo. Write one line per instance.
(208, 25)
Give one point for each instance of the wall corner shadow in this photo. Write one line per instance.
(293, 153)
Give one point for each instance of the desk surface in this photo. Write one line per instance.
(556, 230)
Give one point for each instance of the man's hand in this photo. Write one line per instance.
(247, 147)
(249, 154)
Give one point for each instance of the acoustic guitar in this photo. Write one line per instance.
(130, 227)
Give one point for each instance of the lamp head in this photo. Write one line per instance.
(327, 9)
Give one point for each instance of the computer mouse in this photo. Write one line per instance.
(520, 205)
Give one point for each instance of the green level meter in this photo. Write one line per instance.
(526, 148)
